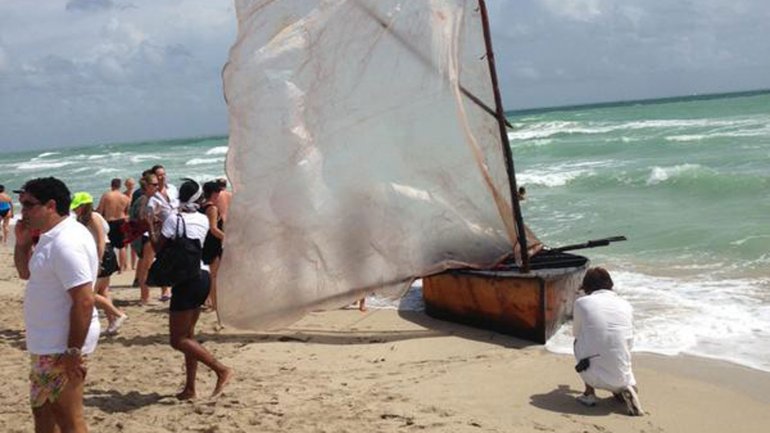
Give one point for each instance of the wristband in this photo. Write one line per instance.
(72, 351)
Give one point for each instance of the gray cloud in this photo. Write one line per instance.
(559, 52)
(106, 70)
(89, 5)
(120, 75)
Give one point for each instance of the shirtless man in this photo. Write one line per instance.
(113, 206)
(130, 184)
(225, 196)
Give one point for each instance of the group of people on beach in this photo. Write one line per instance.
(65, 248)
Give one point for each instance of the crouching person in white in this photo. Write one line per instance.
(604, 334)
(59, 315)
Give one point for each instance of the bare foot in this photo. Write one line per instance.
(186, 395)
(222, 380)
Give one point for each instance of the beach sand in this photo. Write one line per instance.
(383, 370)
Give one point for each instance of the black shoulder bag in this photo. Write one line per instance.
(178, 261)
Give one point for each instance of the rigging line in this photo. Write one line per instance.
(427, 61)
(522, 238)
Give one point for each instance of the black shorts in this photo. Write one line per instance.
(190, 294)
(116, 234)
(109, 262)
(138, 245)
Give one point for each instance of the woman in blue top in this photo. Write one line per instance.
(6, 212)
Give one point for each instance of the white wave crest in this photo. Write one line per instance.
(761, 132)
(200, 161)
(106, 170)
(44, 154)
(662, 174)
(219, 150)
(750, 238)
(42, 165)
(754, 127)
(531, 177)
(689, 137)
(135, 159)
(561, 174)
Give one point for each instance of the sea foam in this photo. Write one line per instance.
(219, 150)
(201, 161)
(704, 317)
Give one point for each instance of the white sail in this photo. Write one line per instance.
(357, 161)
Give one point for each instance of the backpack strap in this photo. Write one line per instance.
(184, 226)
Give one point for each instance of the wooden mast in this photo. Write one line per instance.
(501, 121)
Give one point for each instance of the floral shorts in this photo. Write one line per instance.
(47, 379)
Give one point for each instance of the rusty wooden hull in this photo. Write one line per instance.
(531, 306)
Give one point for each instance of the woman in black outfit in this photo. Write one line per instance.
(212, 246)
(188, 296)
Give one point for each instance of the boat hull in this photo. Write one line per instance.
(530, 306)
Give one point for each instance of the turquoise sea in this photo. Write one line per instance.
(686, 180)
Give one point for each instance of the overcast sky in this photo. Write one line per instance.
(80, 72)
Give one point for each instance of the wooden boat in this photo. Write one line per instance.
(530, 305)
(368, 147)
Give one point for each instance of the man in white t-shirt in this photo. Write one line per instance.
(604, 333)
(61, 322)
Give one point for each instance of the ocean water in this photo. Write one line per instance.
(687, 181)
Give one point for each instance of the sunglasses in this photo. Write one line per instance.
(26, 204)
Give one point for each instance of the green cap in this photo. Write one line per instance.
(80, 198)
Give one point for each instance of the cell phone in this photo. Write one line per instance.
(583, 365)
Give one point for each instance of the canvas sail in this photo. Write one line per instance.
(357, 157)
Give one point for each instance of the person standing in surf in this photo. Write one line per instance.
(188, 296)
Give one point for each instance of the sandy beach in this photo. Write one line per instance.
(382, 370)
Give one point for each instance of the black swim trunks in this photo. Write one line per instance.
(116, 234)
(190, 294)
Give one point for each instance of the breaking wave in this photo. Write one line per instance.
(219, 150)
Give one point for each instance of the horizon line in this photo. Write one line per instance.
(644, 101)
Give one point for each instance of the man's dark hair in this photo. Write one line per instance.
(156, 167)
(222, 182)
(50, 188)
(210, 188)
(2, 189)
(597, 279)
(115, 183)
